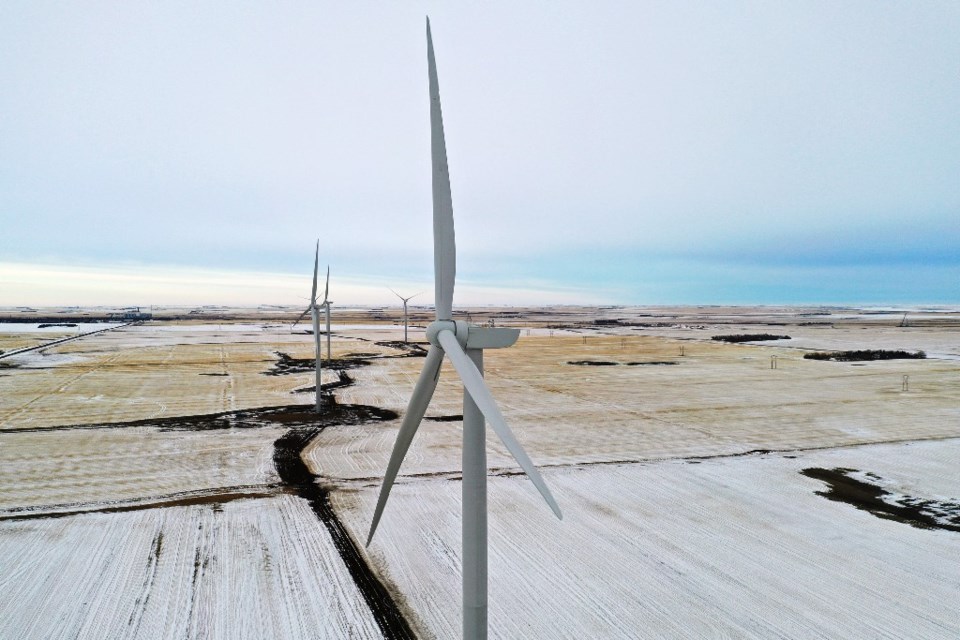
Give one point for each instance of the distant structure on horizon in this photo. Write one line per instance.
(132, 313)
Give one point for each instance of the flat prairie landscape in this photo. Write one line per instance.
(169, 478)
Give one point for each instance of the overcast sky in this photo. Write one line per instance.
(634, 152)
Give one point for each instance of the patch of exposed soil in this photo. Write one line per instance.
(608, 363)
(874, 499)
(451, 418)
(343, 380)
(287, 364)
(287, 415)
(410, 349)
(651, 363)
(291, 415)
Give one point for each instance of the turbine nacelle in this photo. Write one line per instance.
(471, 336)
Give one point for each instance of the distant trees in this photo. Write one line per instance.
(864, 355)
(749, 337)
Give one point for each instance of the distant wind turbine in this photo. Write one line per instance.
(326, 304)
(314, 310)
(405, 300)
(464, 345)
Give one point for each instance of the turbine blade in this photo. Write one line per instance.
(422, 393)
(444, 243)
(326, 291)
(474, 384)
(395, 293)
(301, 317)
(316, 259)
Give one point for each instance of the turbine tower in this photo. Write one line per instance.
(405, 300)
(314, 310)
(463, 344)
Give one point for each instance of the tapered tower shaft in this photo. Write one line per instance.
(327, 307)
(315, 316)
(474, 514)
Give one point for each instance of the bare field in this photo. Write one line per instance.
(718, 398)
(141, 372)
(677, 461)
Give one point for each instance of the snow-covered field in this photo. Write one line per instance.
(15, 336)
(738, 547)
(54, 329)
(247, 569)
(76, 470)
(672, 527)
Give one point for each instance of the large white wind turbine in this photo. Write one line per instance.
(314, 310)
(464, 345)
(405, 301)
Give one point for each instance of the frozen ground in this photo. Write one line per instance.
(53, 329)
(718, 398)
(137, 372)
(15, 336)
(738, 547)
(672, 527)
(81, 469)
(248, 569)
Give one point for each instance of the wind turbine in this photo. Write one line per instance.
(327, 302)
(314, 310)
(463, 344)
(405, 300)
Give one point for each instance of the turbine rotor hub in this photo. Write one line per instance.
(458, 328)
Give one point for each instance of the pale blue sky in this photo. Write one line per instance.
(644, 153)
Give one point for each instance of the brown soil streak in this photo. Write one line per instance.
(870, 498)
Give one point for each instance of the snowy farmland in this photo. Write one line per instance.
(738, 547)
(167, 479)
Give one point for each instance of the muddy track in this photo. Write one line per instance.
(294, 473)
(343, 380)
(609, 363)
(286, 364)
(214, 497)
(286, 415)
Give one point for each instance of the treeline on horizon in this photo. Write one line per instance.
(749, 337)
(865, 355)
